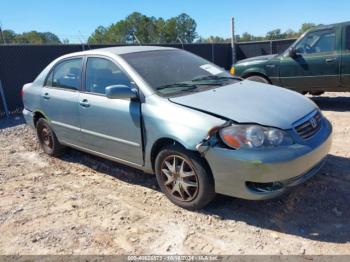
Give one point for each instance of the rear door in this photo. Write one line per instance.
(316, 68)
(345, 66)
(109, 126)
(59, 99)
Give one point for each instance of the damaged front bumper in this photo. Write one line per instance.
(266, 173)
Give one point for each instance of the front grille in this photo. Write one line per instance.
(310, 126)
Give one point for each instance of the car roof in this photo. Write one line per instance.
(119, 50)
(318, 27)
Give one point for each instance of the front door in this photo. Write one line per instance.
(109, 126)
(316, 66)
(59, 100)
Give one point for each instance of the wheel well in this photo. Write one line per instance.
(159, 144)
(37, 116)
(257, 74)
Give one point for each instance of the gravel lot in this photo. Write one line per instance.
(81, 204)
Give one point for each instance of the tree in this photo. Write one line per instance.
(98, 35)
(147, 30)
(186, 28)
(275, 34)
(50, 38)
(246, 37)
(32, 37)
(305, 27)
(8, 35)
(291, 34)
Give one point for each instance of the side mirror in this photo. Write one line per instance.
(120, 92)
(292, 52)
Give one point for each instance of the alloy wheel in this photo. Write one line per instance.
(179, 178)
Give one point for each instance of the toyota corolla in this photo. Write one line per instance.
(169, 112)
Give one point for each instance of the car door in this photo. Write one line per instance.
(60, 99)
(345, 65)
(316, 65)
(109, 126)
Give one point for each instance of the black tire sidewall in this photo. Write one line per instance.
(57, 148)
(206, 190)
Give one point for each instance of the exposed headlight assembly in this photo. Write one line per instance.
(253, 136)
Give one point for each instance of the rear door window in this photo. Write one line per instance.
(66, 75)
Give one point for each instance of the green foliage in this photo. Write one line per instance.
(275, 34)
(147, 30)
(32, 37)
(305, 27)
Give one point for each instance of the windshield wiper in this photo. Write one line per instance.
(214, 77)
(185, 86)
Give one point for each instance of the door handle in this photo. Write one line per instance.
(84, 103)
(46, 96)
(329, 60)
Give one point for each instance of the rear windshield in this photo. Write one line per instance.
(168, 67)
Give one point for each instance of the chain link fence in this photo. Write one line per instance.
(20, 64)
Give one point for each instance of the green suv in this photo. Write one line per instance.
(318, 61)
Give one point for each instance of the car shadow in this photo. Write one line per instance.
(317, 210)
(11, 121)
(338, 104)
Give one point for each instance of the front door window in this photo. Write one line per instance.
(322, 41)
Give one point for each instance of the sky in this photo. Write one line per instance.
(77, 19)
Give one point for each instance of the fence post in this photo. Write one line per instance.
(233, 41)
(271, 47)
(4, 101)
(212, 53)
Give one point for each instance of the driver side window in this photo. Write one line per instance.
(317, 42)
(101, 73)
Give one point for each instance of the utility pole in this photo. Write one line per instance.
(2, 35)
(233, 40)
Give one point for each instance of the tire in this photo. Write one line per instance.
(190, 170)
(47, 138)
(259, 79)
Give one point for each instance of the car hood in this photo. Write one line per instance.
(251, 102)
(257, 59)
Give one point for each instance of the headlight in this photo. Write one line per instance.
(253, 136)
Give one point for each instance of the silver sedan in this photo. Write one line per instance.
(169, 112)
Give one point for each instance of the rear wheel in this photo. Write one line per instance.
(184, 177)
(259, 79)
(48, 139)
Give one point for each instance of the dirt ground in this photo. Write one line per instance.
(81, 204)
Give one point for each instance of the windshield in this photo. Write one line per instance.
(173, 72)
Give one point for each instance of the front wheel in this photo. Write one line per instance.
(184, 177)
(48, 139)
(259, 79)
